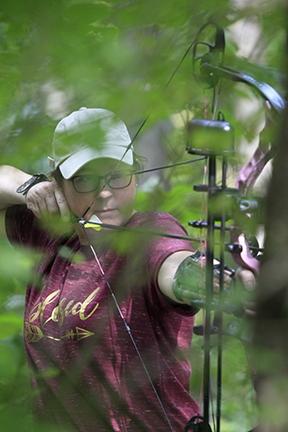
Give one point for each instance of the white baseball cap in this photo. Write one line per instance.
(86, 135)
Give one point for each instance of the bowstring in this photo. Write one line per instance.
(201, 249)
(127, 328)
(216, 422)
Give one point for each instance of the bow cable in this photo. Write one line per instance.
(146, 119)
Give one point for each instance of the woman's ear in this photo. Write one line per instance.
(138, 165)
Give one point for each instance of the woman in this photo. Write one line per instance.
(107, 341)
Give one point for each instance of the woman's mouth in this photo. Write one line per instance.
(104, 211)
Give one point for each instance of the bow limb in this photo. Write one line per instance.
(245, 182)
(251, 171)
(264, 152)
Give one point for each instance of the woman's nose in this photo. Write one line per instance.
(104, 190)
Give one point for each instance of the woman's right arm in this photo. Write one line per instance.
(10, 179)
(42, 199)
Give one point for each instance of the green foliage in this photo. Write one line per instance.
(59, 55)
(15, 410)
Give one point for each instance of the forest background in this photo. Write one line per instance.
(60, 55)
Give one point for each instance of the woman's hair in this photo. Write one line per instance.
(56, 174)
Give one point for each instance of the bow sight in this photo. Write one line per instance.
(215, 138)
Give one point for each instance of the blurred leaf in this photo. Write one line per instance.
(59, 55)
(10, 324)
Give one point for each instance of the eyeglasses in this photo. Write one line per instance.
(89, 183)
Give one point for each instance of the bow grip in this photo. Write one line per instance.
(243, 258)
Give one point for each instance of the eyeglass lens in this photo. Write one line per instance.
(89, 183)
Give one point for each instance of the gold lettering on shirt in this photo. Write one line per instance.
(34, 334)
(38, 309)
(47, 301)
(67, 308)
(88, 300)
(59, 313)
(74, 310)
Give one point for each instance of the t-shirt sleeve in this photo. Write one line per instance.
(23, 229)
(158, 248)
(161, 247)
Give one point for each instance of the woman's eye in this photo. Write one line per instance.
(115, 176)
(85, 179)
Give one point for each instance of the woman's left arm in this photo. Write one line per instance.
(167, 272)
(191, 275)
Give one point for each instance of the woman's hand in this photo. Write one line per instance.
(47, 199)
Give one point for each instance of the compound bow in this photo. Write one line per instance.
(209, 70)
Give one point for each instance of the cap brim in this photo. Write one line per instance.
(76, 161)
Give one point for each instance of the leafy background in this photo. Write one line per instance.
(59, 55)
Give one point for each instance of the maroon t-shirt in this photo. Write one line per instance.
(84, 366)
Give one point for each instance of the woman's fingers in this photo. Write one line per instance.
(47, 198)
(61, 202)
(247, 278)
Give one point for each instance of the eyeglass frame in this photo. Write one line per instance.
(106, 177)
